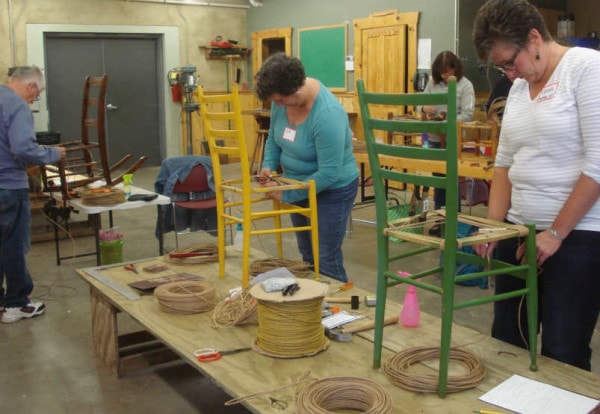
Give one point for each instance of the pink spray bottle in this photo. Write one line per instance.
(410, 315)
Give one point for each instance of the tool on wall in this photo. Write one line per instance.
(183, 82)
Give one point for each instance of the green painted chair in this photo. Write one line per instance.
(447, 243)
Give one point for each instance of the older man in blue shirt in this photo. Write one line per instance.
(18, 149)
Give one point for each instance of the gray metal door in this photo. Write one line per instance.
(134, 81)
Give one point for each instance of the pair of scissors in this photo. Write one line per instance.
(211, 354)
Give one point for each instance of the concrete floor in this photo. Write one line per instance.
(49, 365)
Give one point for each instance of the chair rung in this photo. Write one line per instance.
(493, 298)
(281, 230)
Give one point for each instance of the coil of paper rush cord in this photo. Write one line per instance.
(290, 326)
(241, 309)
(194, 254)
(397, 367)
(104, 196)
(186, 297)
(300, 269)
(344, 393)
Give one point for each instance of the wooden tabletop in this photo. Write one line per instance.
(250, 372)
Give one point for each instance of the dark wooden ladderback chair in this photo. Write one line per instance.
(87, 159)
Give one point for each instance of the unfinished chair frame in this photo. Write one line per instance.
(448, 243)
(80, 167)
(222, 120)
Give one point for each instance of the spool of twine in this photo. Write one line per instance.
(186, 297)
(331, 395)
(290, 326)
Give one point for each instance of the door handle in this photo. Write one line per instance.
(111, 107)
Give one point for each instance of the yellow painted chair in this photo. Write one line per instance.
(244, 200)
(447, 243)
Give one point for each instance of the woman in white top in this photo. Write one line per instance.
(547, 172)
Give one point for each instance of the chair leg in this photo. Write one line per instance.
(221, 236)
(532, 297)
(447, 316)
(246, 254)
(161, 230)
(277, 225)
(381, 295)
(175, 225)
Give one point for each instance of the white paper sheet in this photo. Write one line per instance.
(424, 54)
(527, 396)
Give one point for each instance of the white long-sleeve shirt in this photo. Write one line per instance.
(548, 141)
(465, 100)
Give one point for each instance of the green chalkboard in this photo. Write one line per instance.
(322, 51)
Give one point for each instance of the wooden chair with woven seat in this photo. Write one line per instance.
(447, 244)
(87, 159)
(222, 120)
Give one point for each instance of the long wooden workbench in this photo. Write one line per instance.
(250, 372)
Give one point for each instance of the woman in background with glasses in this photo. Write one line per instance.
(547, 172)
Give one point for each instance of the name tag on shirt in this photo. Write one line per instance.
(548, 92)
(289, 134)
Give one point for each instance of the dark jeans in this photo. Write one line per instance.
(334, 207)
(15, 227)
(569, 299)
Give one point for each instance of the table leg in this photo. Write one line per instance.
(104, 330)
(56, 242)
(96, 220)
(123, 353)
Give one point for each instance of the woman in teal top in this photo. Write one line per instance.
(310, 139)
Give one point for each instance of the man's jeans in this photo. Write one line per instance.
(15, 227)
(334, 207)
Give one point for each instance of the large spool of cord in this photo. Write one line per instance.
(290, 326)
(331, 395)
(186, 297)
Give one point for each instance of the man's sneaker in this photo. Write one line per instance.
(11, 315)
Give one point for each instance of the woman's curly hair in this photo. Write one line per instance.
(279, 74)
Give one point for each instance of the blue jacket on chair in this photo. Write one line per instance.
(177, 169)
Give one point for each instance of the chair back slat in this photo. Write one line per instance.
(379, 151)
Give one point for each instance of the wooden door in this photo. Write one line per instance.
(385, 53)
(264, 44)
(268, 42)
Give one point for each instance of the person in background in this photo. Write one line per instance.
(310, 138)
(18, 149)
(494, 108)
(447, 64)
(547, 172)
